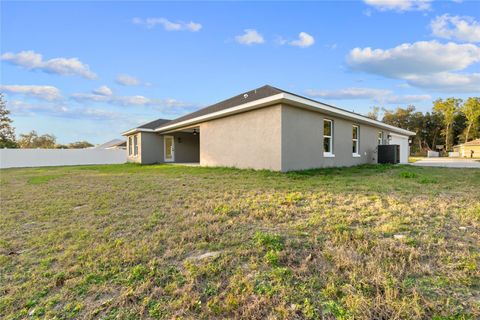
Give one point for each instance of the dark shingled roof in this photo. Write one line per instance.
(249, 96)
(154, 124)
(111, 143)
(245, 97)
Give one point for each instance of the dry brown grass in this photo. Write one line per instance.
(129, 242)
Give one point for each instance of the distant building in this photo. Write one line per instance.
(470, 149)
(113, 144)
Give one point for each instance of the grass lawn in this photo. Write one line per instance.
(129, 242)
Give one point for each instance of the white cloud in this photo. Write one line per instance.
(348, 93)
(251, 36)
(31, 60)
(125, 101)
(127, 80)
(423, 57)
(193, 26)
(116, 100)
(425, 64)
(383, 96)
(103, 91)
(62, 110)
(448, 82)
(456, 27)
(400, 5)
(48, 93)
(168, 25)
(304, 40)
(406, 99)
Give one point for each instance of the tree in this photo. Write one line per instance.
(407, 119)
(459, 128)
(400, 117)
(449, 108)
(433, 122)
(373, 114)
(427, 127)
(33, 140)
(7, 132)
(80, 145)
(471, 110)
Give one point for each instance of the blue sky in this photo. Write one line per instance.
(88, 71)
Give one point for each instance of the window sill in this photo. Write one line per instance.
(356, 155)
(328, 155)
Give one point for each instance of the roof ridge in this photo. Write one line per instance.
(244, 97)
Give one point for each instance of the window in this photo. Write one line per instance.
(135, 146)
(327, 137)
(355, 141)
(130, 146)
(380, 138)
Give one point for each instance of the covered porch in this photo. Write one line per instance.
(181, 146)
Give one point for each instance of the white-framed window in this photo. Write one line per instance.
(355, 141)
(328, 138)
(135, 146)
(380, 138)
(130, 145)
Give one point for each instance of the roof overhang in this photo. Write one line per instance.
(260, 103)
(289, 99)
(340, 113)
(136, 130)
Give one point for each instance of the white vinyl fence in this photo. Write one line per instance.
(18, 158)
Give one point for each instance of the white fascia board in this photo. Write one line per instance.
(398, 135)
(222, 113)
(288, 99)
(135, 130)
(318, 106)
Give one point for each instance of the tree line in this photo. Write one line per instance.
(451, 121)
(32, 139)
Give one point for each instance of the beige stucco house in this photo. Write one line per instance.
(470, 149)
(265, 128)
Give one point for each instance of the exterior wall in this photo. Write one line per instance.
(132, 157)
(402, 141)
(302, 141)
(186, 146)
(247, 140)
(465, 151)
(151, 150)
(280, 137)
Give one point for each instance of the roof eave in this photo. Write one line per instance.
(334, 111)
(135, 130)
(260, 103)
(289, 99)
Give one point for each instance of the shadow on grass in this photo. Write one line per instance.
(365, 169)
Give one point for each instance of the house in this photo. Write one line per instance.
(470, 149)
(265, 128)
(113, 144)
